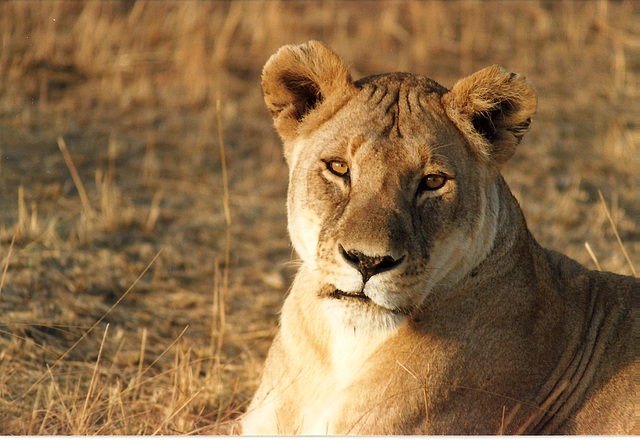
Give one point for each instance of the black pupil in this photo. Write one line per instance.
(433, 181)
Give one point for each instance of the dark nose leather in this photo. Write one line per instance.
(367, 265)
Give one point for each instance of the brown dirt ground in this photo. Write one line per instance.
(132, 89)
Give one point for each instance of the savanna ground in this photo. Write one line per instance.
(142, 274)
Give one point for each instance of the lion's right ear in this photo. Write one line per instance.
(297, 79)
(493, 109)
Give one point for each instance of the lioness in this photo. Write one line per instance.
(423, 303)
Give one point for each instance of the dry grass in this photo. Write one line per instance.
(139, 293)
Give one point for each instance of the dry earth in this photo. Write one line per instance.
(130, 302)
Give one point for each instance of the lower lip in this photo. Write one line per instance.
(338, 294)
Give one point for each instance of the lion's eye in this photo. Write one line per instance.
(338, 168)
(432, 182)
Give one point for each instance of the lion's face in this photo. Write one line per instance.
(391, 192)
(386, 201)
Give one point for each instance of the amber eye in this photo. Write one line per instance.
(432, 182)
(338, 168)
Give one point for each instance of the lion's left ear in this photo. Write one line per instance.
(298, 80)
(493, 109)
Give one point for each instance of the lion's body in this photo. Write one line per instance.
(423, 304)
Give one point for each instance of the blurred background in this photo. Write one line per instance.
(143, 245)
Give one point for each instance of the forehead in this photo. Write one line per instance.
(397, 113)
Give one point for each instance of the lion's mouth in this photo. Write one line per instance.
(362, 298)
(339, 294)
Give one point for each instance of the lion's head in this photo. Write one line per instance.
(392, 178)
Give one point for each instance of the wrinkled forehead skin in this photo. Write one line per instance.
(395, 119)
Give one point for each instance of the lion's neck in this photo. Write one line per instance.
(510, 239)
(501, 234)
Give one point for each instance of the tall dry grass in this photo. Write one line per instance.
(143, 264)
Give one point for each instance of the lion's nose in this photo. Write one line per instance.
(367, 265)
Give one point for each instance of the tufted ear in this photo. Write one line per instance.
(493, 109)
(297, 79)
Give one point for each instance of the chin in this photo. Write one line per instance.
(358, 313)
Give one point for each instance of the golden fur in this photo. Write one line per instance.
(423, 304)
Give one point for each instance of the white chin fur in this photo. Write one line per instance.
(381, 296)
(363, 319)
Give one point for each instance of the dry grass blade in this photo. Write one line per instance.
(227, 252)
(166, 350)
(592, 255)
(615, 231)
(143, 345)
(174, 413)
(84, 415)
(6, 264)
(76, 177)
(49, 408)
(34, 411)
(54, 384)
(501, 430)
(425, 394)
(23, 214)
(154, 211)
